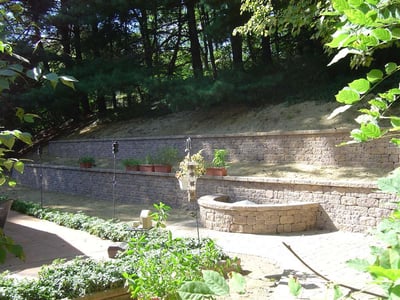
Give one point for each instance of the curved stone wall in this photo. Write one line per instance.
(218, 213)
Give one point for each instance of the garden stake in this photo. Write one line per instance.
(39, 153)
(114, 152)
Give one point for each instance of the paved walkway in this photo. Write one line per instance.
(327, 252)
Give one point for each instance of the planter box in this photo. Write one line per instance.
(146, 168)
(216, 172)
(132, 168)
(162, 168)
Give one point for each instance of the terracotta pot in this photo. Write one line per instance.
(86, 165)
(216, 172)
(132, 168)
(146, 168)
(163, 168)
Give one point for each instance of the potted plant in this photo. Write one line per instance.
(219, 163)
(5, 206)
(147, 165)
(86, 162)
(165, 159)
(199, 168)
(131, 164)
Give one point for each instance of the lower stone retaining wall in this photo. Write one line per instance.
(218, 213)
(348, 206)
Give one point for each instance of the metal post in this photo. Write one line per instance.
(114, 182)
(191, 192)
(39, 153)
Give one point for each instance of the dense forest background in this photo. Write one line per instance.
(151, 57)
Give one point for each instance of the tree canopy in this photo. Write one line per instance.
(139, 57)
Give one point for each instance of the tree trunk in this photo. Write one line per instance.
(172, 62)
(77, 42)
(144, 31)
(101, 104)
(194, 39)
(237, 55)
(266, 54)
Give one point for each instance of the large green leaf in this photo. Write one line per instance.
(216, 282)
(395, 121)
(340, 5)
(391, 274)
(7, 139)
(238, 283)
(347, 96)
(390, 68)
(356, 16)
(382, 34)
(371, 130)
(19, 166)
(195, 290)
(360, 85)
(374, 75)
(391, 183)
(23, 136)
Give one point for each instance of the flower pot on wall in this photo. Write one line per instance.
(132, 168)
(85, 165)
(216, 171)
(163, 168)
(146, 168)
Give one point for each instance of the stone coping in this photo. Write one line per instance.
(199, 136)
(222, 202)
(295, 181)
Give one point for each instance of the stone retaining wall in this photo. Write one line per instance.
(349, 206)
(311, 147)
(218, 213)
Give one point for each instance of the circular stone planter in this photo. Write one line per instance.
(218, 213)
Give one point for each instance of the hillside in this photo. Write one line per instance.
(234, 119)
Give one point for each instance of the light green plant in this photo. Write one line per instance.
(165, 263)
(86, 160)
(167, 156)
(161, 215)
(130, 162)
(213, 284)
(219, 159)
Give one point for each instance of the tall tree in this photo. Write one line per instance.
(195, 51)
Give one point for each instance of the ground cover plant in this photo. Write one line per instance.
(154, 264)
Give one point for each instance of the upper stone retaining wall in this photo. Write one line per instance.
(311, 147)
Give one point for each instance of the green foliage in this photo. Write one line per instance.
(68, 280)
(161, 215)
(87, 160)
(295, 286)
(130, 162)
(366, 26)
(219, 159)
(214, 284)
(106, 229)
(166, 156)
(165, 263)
